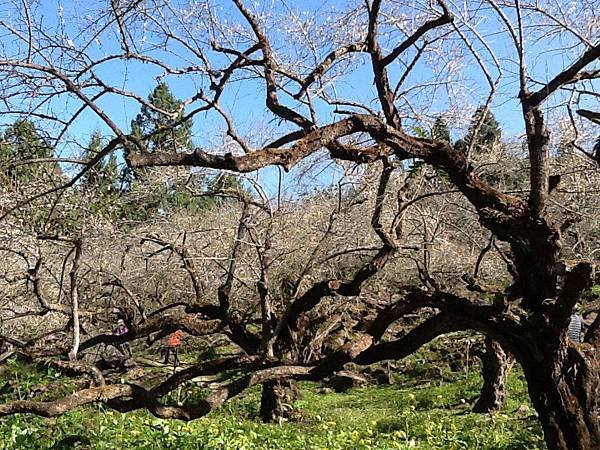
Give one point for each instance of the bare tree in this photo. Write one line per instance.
(414, 54)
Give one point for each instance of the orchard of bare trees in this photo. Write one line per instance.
(308, 185)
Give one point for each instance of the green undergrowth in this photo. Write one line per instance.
(19, 381)
(416, 412)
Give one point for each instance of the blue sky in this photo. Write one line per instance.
(245, 101)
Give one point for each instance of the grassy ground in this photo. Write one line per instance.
(414, 413)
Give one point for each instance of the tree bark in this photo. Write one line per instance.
(75, 300)
(497, 365)
(564, 387)
(277, 400)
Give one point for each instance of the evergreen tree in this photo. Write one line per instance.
(99, 184)
(141, 200)
(440, 130)
(163, 136)
(155, 129)
(227, 183)
(20, 142)
(154, 126)
(104, 175)
(489, 132)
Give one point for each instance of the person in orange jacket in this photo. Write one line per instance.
(173, 343)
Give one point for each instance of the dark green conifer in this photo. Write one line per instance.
(157, 123)
(20, 142)
(489, 132)
(440, 130)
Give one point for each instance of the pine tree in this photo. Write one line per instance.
(100, 184)
(440, 130)
(163, 136)
(160, 136)
(103, 176)
(155, 129)
(148, 193)
(489, 133)
(20, 142)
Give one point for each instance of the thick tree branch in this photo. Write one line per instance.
(190, 323)
(569, 75)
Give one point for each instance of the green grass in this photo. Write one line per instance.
(435, 415)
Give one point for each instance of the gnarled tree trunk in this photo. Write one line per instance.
(277, 400)
(564, 387)
(496, 366)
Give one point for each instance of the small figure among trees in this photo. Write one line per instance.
(121, 330)
(172, 345)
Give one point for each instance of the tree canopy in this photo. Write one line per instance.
(303, 285)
